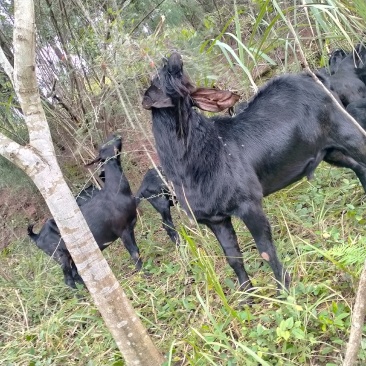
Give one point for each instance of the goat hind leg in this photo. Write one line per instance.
(226, 236)
(63, 258)
(258, 225)
(338, 158)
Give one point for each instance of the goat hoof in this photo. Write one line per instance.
(287, 281)
(146, 273)
(285, 285)
(81, 296)
(248, 301)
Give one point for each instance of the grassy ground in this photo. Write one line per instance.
(189, 303)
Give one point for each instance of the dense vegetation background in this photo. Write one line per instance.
(95, 59)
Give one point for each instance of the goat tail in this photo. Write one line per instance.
(31, 233)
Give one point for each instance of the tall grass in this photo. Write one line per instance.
(190, 302)
(320, 26)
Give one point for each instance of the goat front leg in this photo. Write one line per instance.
(258, 225)
(161, 204)
(226, 236)
(128, 239)
(63, 258)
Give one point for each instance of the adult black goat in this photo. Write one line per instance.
(110, 214)
(155, 191)
(223, 167)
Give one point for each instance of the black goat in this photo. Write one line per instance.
(110, 214)
(357, 110)
(240, 107)
(155, 191)
(345, 80)
(223, 167)
(335, 59)
(347, 68)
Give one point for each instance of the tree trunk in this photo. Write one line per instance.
(39, 162)
(358, 317)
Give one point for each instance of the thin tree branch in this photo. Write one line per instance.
(4, 45)
(4, 62)
(145, 17)
(358, 316)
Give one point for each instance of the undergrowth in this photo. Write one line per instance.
(190, 303)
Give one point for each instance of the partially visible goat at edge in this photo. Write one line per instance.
(223, 167)
(110, 214)
(345, 79)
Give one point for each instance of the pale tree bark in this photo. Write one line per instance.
(358, 318)
(38, 161)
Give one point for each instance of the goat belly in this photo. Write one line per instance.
(212, 204)
(290, 173)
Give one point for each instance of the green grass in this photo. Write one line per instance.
(190, 302)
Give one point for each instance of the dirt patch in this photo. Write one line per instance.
(17, 210)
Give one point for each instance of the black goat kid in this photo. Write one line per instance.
(223, 167)
(110, 214)
(155, 191)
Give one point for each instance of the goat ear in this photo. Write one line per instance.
(155, 97)
(213, 100)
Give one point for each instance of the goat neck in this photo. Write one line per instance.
(184, 138)
(115, 180)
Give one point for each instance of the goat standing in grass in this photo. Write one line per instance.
(223, 167)
(110, 214)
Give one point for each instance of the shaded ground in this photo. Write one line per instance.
(17, 210)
